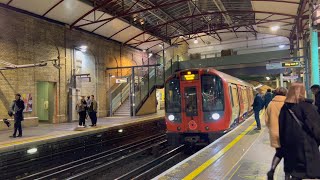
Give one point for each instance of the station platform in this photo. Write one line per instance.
(243, 153)
(45, 133)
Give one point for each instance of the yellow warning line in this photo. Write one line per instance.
(205, 165)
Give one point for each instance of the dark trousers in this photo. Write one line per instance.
(82, 118)
(257, 117)
(93, 117)
(17, 127)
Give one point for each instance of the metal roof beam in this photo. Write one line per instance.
(162, 11)
(104, 3)
(210, 13)
(205, 18)
(221, 7)
(278, 1)
(135, 12)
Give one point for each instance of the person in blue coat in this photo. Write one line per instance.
(258, 104)
(267, 98)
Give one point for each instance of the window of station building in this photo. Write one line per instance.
(173, 96)
(212, 93)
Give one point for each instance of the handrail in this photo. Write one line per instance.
(118, 100)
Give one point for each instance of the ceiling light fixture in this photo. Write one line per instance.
(83, 48)
(196, 41)
(275, 28)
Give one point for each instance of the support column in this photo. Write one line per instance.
(314, 56)
(133, 99)
(281, 80)
(278, 82)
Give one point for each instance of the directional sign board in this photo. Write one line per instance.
(290, 77)
(276, 65)
(291, 64)
(122, 80)
(280, 65)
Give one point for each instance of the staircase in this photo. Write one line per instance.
(124, 109)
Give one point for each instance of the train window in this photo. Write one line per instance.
(235, 95)
(190, 94)
(212, 93)
(244, 95)
(231, 96)
(173, 96)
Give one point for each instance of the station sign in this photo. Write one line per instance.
(276, 65)
(281, 65)
(290, 77)
(291, 64)
(121, 80)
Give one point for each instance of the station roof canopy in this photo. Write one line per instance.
(146, 24)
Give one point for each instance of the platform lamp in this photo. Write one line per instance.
(109, 90)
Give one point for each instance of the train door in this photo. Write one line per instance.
(235, 103)
(241, 103)
(190, 106)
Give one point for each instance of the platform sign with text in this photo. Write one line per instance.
(291, 64)
(121, 80)
(281, 65)
(290, 77)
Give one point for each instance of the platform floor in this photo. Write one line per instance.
(243, 153)
(46, 132)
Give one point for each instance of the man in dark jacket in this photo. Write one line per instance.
(257, 106)
(267, 98)
(16, 109)
(316, 91)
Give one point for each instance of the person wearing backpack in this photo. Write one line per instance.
(16, 110)
(299, 133)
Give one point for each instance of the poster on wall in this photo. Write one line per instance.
(27, 99)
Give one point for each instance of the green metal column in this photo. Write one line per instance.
(314, 56)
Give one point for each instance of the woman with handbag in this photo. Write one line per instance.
(272, 122)
(299, 132)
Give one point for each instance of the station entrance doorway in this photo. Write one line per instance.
(46, 92)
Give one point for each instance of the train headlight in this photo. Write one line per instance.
(171, 117)
(215, 116)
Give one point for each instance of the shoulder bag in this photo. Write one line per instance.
(301, 124)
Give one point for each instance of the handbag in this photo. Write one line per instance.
(301, 124)
(7, 122)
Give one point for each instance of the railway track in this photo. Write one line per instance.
(92, 165)
(18, 164)
(155, 167)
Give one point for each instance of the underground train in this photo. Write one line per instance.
(203, 103)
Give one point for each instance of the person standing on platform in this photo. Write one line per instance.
(299, 133)
(316, 91)
(267, 98)
(82, 110)
(93, 107)
(272, 122)
(16, 110)
(258, 104)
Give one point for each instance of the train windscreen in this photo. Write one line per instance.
(190, 94)
(212, 93)
(173, 96)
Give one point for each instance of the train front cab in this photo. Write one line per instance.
(197, 106)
